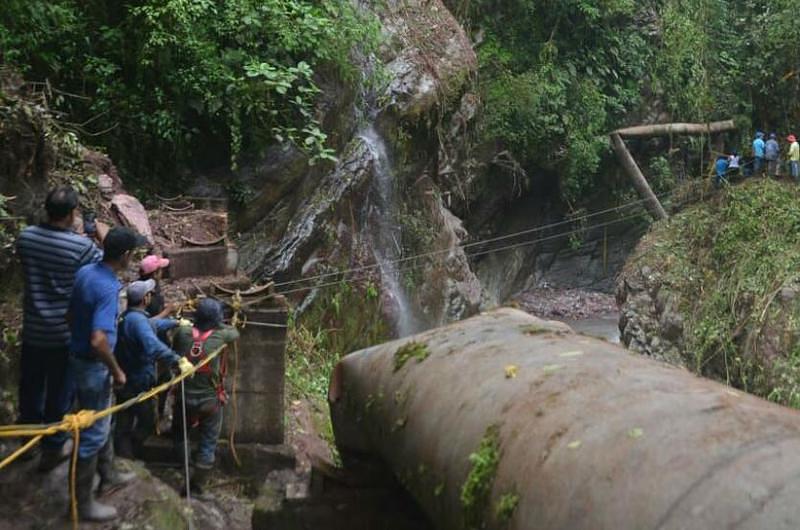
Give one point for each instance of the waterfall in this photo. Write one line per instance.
(384, 229)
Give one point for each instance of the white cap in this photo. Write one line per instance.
(138, 290)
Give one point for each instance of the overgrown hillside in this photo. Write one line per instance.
(717, 289)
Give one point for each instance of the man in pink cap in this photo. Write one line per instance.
(151, 268)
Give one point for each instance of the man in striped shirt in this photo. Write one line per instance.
(51, 254)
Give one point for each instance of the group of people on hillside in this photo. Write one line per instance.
(78, 350)
(766, 159)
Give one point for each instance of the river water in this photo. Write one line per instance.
(604, 327)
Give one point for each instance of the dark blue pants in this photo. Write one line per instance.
(207, 414)
(46, 389)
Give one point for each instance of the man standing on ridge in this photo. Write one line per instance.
(93, 323)
(794, 157)
(758, 154)
(772, 153)
(51, 254)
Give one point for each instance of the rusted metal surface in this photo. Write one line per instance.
(590, 436)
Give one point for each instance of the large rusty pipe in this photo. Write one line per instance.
(584, 434)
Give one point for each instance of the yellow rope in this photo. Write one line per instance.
(73, 471)
(237, 322)
(85, 418)
(19, 452)
(81, 420)
(234, 417)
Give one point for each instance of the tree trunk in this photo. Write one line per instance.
(665, 129)
(639, 182)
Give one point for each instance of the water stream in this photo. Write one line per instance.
(384, 229)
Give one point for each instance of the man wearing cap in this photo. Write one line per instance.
(205, 392)
(93, 324)
(794, 157)
(137, 351)
(51, 254)
(152, 268)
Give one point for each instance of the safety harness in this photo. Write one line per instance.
(198, 353)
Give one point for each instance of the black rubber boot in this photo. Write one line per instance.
(88, 508)
(198, 482)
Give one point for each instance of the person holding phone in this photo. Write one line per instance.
(51, 254)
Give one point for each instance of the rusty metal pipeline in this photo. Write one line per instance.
(565, 432)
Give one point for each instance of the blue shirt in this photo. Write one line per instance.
(772, 149)
(722, 167)
(758, 148)
(139, 348)
(50, 258)
(93, 307)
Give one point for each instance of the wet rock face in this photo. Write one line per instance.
(429, 55)
(305, 220)
(590, 262)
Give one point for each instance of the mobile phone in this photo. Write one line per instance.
(89, 223)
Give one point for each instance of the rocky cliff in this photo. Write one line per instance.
(397, 163)
(715, 289)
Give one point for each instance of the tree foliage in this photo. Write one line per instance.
(558, 75)
(555, 75)
(179, 80)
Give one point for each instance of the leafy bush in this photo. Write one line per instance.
(556, 77)
(166, 80)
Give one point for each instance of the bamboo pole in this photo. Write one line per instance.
(667, 129)
(639, 182)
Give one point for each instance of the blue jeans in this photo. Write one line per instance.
(206, 414)
(794, 167)
(46, 389)
(93, 381)
(758, 166)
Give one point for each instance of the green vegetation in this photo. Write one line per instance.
(329, 330)
(557, 76)
(165, 80)
(477, 488)
(734, 263)
(318, 338)
(534, 329)
(504, 510)
(409, 351)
